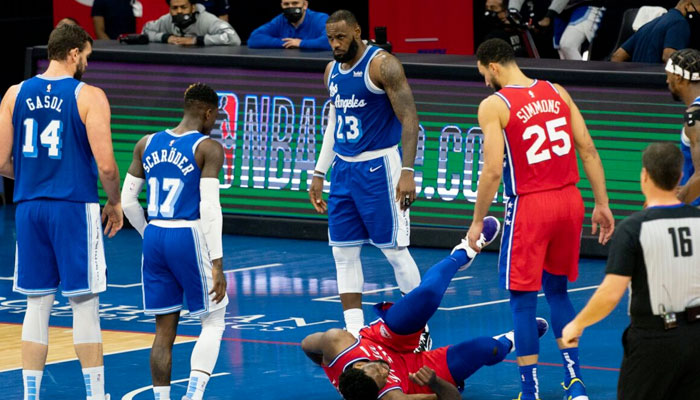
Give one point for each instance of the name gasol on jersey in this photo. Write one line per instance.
(531, 109)
(52, 102)
(173, 157)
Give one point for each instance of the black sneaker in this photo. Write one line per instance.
(426, 342)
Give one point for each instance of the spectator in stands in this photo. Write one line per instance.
(189, 24)
(219, 8)
(655, 41)
(574, 22)
(67, 21)
(500, 26)
(296, 27)
(111, 18)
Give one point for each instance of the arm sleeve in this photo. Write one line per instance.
(624, 248)
(211, 217)
(220, 32)
(320, 41)
(517, 4)
(558, 5)
(157, 29)
(325, 158)
(677, 37)
(266, 37)
(130, 202)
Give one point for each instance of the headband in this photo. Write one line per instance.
(685, 74)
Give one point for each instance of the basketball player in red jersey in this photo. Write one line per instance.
(536, 127)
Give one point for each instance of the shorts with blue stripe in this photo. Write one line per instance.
(176, 264)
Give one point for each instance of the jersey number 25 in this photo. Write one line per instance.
(536, 153)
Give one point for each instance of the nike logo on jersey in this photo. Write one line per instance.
(375, 168)
(333, 76)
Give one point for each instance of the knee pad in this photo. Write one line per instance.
(36, 319)
(348, 269)
(86, 319)
(206, 350)
(405, 268)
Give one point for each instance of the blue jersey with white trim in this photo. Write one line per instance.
(172, 175)
(688, 168)
(365, 119)
(52, 155)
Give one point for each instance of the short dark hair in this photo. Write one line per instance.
(354, 384)
(688, 59)
(198, 94)
(664, 164)
(65, 38)
(191, 2)
(342, 15)
(495, 51)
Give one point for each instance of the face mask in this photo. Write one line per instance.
(293, 14)
(182, 21)
(693, 16)
(492, 16)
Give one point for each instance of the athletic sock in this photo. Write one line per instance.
(32, 383)
(528, 382)
(198, 382)
(161, 392)
(354, 320)
(571, 365)
(94, 382)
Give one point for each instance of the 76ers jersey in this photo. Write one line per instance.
(52, 155)
(172, 175)
(365, 119)
(688, 168)
(540, 152)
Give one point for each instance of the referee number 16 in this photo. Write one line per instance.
(682, 243)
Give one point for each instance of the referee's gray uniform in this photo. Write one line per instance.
(659, 248)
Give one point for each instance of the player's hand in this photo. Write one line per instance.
(316, 195)
(602, 216)
(217, 275)
(291, 43)
(544, 22)
(474, 234)
(406, 189)
(114, 217)
(172, 39)
(423, 377)
(570, 334)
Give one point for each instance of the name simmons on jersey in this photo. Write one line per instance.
(344, 104)
(536, 107)
(173, 157)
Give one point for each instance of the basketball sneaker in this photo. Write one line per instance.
(575, 391)
(425, 342)
(488, 235)
(542, 328)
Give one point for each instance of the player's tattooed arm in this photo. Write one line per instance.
(691, 190)
(391, 77)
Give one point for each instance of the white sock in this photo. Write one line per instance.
(32, 383)
(198, 382)
(161, 392)
(95, 382)
(354, 320)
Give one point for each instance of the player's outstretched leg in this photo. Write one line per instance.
(205, 353)
(412, 312)
(465, 358)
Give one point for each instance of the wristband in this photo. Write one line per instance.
(407, 169)
(319, 175)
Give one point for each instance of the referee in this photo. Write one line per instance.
(657, 250)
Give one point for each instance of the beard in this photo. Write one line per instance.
(495, 85)
(79, 70)
(349, 54)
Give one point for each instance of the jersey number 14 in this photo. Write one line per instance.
(50, 137)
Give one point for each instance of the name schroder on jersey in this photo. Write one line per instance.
(173, 157)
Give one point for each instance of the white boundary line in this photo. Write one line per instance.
(105, 354)
(336, 298)
(6, 278)
(123, 286)
(134, 392)
(252, 268)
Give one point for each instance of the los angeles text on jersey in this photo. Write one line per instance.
(52, 102)
(173, 157)
(536, 107)
(352, 102)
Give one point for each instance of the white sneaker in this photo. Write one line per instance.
(488, 235)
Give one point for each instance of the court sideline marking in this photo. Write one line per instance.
(134, 392)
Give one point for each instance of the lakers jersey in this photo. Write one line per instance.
(365, 119)
(688, 168)
(172, 175)
(52, 155)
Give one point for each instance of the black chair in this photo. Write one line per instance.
(625, 29)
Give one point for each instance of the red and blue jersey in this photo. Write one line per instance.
(688, 168)
(540, 152)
